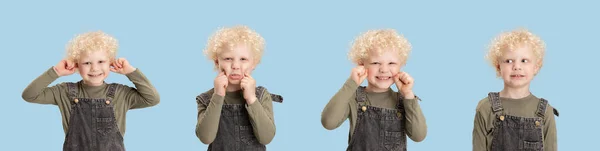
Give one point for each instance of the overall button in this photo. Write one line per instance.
(107, 102)
(502, 117)
(537, 123)
(364, 108)
(76, 100)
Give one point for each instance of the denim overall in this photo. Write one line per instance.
(378, 129)
(514, 133)
(92, 125)
(235, 131)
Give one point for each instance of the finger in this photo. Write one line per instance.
(70, 64)
(248, 76)
(125, 63)
(121, 62)
(397, 77)
(113, 70)
(364, 74)
(406, 78)
(221, 73)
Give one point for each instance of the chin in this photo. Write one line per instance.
(235, 82)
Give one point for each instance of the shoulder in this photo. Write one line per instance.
(263, 93)
(484, 105)
(204, 98)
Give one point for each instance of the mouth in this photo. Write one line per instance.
(517, 76)
(383, 77)
(235, 76)
(95, 75)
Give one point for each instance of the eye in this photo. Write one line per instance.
(228, 59)
(244, 59)
(375, 63)
(524, 61)
(508, 61)
(101, 61)
(392, 63)
(87, 63)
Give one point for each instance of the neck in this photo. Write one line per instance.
(515, 92)
(92, 84)
(376, 90)
(233, 87)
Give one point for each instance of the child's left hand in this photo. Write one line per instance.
(249, 87)
(404, 83)
(121, 66)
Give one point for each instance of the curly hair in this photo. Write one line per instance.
(379, 41)
(90, 42)
(226, 39)
(511, 41)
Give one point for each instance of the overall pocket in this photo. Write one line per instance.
(106, 126)
(393, 140)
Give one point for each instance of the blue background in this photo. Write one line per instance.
(305, 61)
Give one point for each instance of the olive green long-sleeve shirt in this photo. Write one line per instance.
(143, 95)
(343, 105)
(523, 107)
(260, 113)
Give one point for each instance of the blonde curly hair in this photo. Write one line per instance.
(226, 39)
(379, 41)
(91, 42)
(511, 41)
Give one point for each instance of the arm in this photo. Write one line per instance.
(479, 132)
(39, 92)
(416, 128)
(338, 108)
(144, 94)
(261, 118)
(550, 130)
(208, 118)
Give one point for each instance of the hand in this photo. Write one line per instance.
(221, 83)
(249, 87)
(65, 68)
(121, 66)
(404, 83)
(359, 74)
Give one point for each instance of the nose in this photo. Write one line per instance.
(517, 66)
(384, 69)
(94, 67)
(235, 65)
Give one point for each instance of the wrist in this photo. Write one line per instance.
(251, 100)
(408, 95)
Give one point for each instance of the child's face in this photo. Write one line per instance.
(236, 62)
(94, 67)
(518, 67)
(381, 69)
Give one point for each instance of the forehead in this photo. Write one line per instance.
(524, 51)
(237, 50)
(387, 54)
(94, 54)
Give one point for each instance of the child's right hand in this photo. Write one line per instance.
(65, 68)
(359, 74)
(221, 83)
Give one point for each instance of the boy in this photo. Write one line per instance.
(93, 112)
(380, 119)
(235, 115)
(515, 119)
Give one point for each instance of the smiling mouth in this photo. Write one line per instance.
(383, 77)
(95, 75)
